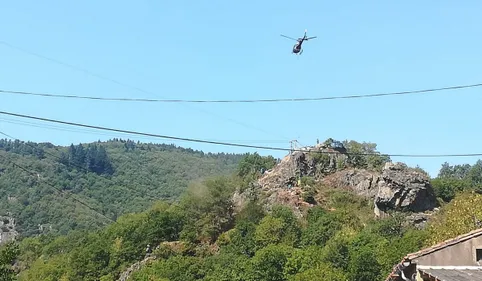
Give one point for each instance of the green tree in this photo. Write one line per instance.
(322, 225)
(227, 267)
(177, 268)
(358, 155)
(391, 227)
(363, 252)
(270, 231)
(268, 263)
(322, 272)
(475, 174)
(240, 240)
(208, 209)
(254, 164)
(252, 212)
(456, 171)
(446, 188)
(457, 217)
(8, 255)
(336, 252)
(364, 266)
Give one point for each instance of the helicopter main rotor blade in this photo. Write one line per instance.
(289, 37)
(310, 38)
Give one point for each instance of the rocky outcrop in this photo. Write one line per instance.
(404, 189)
(362, 182)
(309, 162)
(291, 197)
(419, 220)
(280, 184)
(124, 276)
(396, 188)
(7, 229)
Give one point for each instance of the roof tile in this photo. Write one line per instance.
(453, 273)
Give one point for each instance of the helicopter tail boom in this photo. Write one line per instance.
(308, 38)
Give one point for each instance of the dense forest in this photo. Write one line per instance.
(45, 185)
(202, 237)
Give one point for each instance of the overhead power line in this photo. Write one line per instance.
(241, 100)
(110, 134)
(132, 87)
(224, 143)
(37, 176)
(80, 167)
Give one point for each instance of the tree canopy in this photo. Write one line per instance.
(43, 185)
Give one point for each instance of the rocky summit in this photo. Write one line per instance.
(315, 162)
(393, 187)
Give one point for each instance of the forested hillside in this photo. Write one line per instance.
(48, 187)
(203, 237)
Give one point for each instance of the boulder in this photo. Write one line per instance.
(404, 189)
(398, 187)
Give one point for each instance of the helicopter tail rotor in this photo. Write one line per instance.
(308, 38)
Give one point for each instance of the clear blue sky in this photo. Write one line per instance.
(232, 50)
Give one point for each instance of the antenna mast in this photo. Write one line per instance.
(294, 145)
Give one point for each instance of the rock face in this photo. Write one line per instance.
(124, 276)
(419, 220)
(7, 229)
(362, 182)
(396, 188)
(279, 185)
(303, 163)
(291, 197)
(402, 188)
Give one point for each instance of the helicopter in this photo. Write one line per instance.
(297, 47)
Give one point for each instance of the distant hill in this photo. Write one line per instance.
(113, 177)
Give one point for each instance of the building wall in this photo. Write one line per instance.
(461, 254)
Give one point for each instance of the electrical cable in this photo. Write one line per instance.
(227, 143)
(102, 77)
(96, 132)
(37, 175)
(240, 101)
(150, 197)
